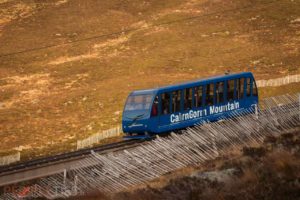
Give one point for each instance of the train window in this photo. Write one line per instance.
(209, 94)
(165, 103)
(198, 96)
(147, 101)
(188, 96)
(230, 90)
(176, 96)
(220, 92)
(248, 82)
(240, 88)
(138, 102)
(254, 88)
(154, 110)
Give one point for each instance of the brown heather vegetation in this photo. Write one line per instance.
(270, 172)
(53, 96)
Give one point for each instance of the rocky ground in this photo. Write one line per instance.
(270, 171)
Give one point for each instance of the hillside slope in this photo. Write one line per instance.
(66, 66)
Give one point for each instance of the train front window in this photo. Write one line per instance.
(138, 102)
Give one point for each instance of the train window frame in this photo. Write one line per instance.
(196, 89)
(240, 88)
(230, 97)
(188, 102)
(248, 86)
(154, 106)
(254, 88)
(138, 102)
(217, 92)
(162, 107)
(178, 106)
(209, 99)
(159, 105)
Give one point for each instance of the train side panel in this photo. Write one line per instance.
(214, 112)
(180, 106)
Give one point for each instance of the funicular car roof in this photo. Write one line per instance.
(191, 83)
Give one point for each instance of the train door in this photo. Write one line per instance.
(165, 109)
(155, 113)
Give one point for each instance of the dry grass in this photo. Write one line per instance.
(49, 97)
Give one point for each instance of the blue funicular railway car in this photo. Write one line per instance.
(175, 107)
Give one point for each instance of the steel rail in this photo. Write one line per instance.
(64, 156)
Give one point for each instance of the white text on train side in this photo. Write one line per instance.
(223, 108)
(193, 114)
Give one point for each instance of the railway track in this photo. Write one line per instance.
(29, 170)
